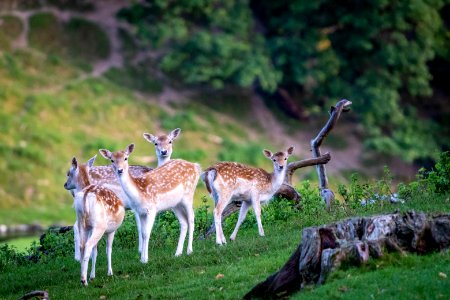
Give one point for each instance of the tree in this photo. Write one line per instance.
(372, 52)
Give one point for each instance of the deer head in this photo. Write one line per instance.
(163, 144)
(78, 175)
(279, 159)
(119, 159)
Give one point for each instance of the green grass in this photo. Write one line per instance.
(228, 272)
(21, 243)
(393, 277)
(49, 116)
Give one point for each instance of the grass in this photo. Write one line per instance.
(228, 272)
(22, 243)
(393, 277)
(49, 115)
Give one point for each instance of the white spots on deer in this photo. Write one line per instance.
(230, 180)
(170, 186)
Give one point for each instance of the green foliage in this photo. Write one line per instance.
(438, 179)
(374, 54)
(211, 42)
(10, 257)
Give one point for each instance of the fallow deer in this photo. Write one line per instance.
(105, 176)
(227, 181)
(170, 186)
(98, 211)
(163, 144)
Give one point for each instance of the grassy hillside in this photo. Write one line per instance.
(51, 111)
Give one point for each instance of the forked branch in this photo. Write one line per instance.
(335, 112)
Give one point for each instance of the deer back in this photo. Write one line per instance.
(174, 174)
(236, 176)
(99, 205)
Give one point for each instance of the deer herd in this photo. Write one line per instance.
(103, 193)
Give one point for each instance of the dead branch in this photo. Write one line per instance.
(335, 112)
(293, 166)
(35, 294)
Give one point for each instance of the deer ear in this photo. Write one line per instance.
(290, 150)
(90, 162)
(74, 162)
(149, 137)
(105, 153)
(175, 133)
(267, 153)
(129, 149)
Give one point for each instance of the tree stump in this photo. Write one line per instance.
(354, 241)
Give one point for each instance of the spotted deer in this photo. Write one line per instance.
(163, 144)
(105, 176)
(227, 181)
(170, 186)
(98, 211)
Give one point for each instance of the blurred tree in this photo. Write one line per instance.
(373, 52)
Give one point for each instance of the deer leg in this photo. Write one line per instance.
(221, 200)
(93, 262)
(109, 242)
(76, 240)
(242, 214)
(138, 225)
(182, 218)
(92, 241)
(191, 224)
(257, 208)
(147, 221)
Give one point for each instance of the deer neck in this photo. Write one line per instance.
(277, 179)
(83, 179)
(162, 160)
(130, 186)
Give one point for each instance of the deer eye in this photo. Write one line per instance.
(170, 142)
(112, 160)
(285, 158)
(156, 144)
(126, 158)
(273, 160)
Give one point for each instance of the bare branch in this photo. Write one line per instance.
(335, 113)
(293, 166)
(35, 294)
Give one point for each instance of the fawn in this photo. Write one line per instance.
(98, 210)
(170, 186)
(227, 181)
(104, 175)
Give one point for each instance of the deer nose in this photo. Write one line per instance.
(281, 167)
(164, 152)
(65, 185)
(120, 171)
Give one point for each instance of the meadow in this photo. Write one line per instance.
(228, 272)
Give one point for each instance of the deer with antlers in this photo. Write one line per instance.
(98, 211)
(105, 176)
(170, 186)
(228, 181)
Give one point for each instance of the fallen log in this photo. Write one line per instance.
(354, 241)
(35, 294)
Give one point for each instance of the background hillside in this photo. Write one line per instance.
(77, 76)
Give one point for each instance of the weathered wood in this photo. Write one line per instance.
(293, 166)
(335, 112)
(35, 294)
(354, 241)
